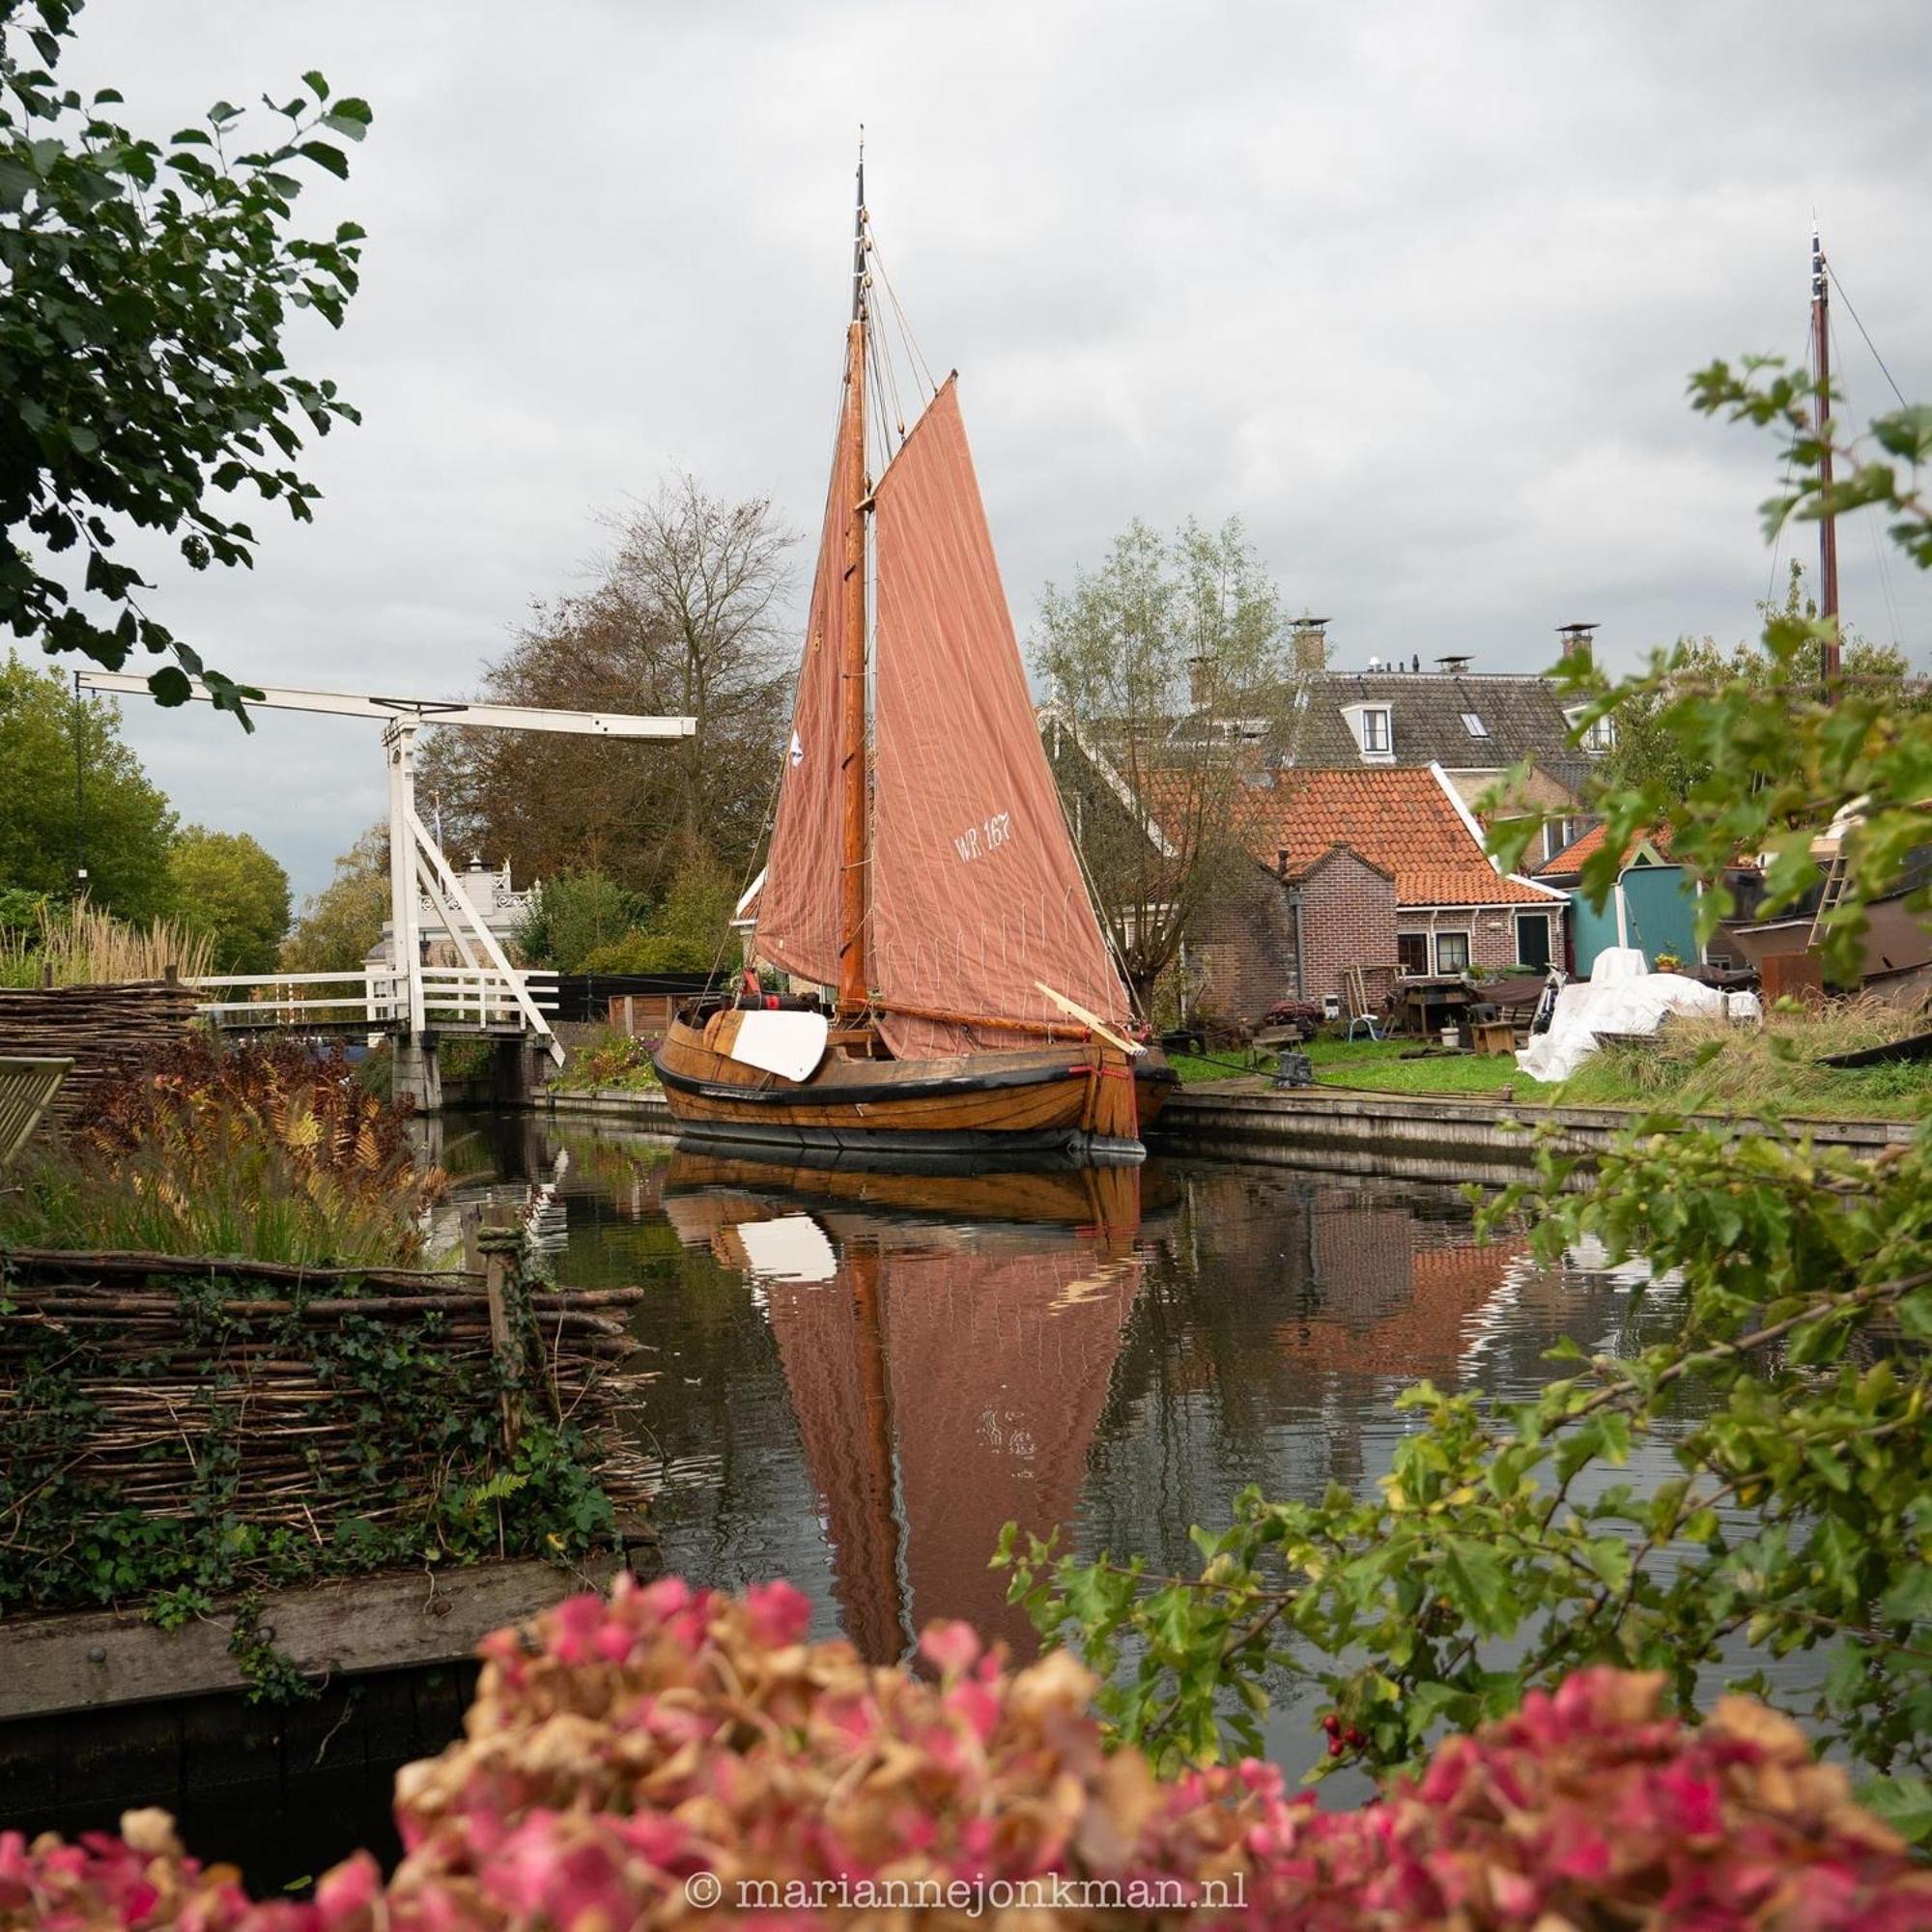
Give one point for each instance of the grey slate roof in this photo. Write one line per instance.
(1523, 718)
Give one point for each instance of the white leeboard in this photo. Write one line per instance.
(788, 1044)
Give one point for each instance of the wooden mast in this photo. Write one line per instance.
(1828, 528)
(852, 765)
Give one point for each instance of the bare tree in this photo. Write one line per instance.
(1170, 688)
(684, 618)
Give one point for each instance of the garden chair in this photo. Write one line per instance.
(1361, 1008)
(27, 1088)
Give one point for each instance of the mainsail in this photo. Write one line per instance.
(977, 895)
(798, 905)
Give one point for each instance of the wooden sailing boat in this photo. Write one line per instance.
(922, 874)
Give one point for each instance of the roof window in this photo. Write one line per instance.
(1474, 725)
(1374, 726)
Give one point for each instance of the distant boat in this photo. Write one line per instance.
(921, 871)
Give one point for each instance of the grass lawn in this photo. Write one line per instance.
(1696, 1067)
(1378, 1065)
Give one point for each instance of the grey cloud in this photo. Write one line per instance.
(1413, 288)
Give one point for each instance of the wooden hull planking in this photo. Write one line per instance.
(1080, 1096)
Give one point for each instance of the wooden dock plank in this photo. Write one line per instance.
(88, 1660)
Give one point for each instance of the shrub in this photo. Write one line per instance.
(689, 933)
(571, 915)
(269, 1151)
(637, 1744)
(613, 1058)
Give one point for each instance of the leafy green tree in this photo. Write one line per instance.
(1505, 1549)
(119, 824)
(690, 932)
(1647, 753)
(227, 886)
(1169, 682)
(143, 289)
(343, 920)
(571, 915)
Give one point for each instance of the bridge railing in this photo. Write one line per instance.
(482, 996)
(452, 996)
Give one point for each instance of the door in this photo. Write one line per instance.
(1532, 940)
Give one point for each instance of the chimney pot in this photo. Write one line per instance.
(1455, 663)
(1200, 683)
(1576, 637)
(1311, 643)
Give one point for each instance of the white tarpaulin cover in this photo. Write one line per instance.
(1624, 1004)
(788, 1044)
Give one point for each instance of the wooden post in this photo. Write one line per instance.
(499, 1248)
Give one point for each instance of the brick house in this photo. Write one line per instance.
(1381, 868)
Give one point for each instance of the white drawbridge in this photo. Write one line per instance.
(411, 1000)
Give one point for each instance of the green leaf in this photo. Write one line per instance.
(323, 156)
(1904, 1802)
(170, 686)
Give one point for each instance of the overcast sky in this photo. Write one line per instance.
(1411, 288)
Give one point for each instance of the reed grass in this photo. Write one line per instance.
(1711, 1065)
(80, 944)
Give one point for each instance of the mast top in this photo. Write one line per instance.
(1818, 288)
(859, 235)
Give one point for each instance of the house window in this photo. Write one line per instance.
(1411, 955)
(1601, 736)
(1532, 940)
(1474, 725)
(1374, 726)
(1452, 953)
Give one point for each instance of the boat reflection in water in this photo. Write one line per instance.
(947, 1341)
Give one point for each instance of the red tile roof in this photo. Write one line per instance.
(1398, 818)
(1571, 856)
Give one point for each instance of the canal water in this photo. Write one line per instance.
(862, 1377)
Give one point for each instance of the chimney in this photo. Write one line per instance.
(1311, 643)
(1454, 664)
(1280, 861)
(1200, 683)
(1578, 639)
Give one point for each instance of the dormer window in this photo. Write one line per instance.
(1601, 736)
(1474, 725)
(1373, 728)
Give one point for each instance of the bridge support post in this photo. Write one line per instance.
(517, 1072)
(418, 1073)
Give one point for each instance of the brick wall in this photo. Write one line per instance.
(1348, 918)
(1491, 931)
(1241, 950)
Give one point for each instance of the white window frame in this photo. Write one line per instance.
(1462, 932)
(1548, 939)
(1472, 723)
(1601, 736)
(1358, 716)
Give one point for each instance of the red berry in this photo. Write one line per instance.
(1354, 1737)
(1331, 1724)
(1334, 1747)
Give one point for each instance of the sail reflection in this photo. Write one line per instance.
(947, 1343)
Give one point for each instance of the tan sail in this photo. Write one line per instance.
(977, 893)
(798, 905)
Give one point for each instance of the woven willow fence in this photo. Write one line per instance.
(180, 1425)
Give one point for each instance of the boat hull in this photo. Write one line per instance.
(1077, 1097)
